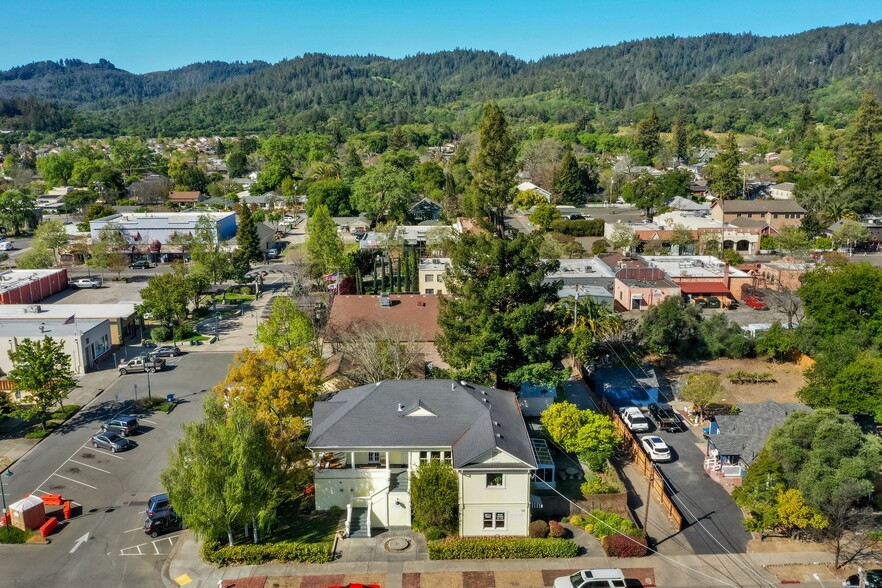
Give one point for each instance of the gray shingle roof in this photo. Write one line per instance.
(470, 419)
(745, 434)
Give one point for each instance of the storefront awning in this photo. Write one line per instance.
(704, 288)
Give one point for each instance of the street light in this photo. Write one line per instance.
(6, 474)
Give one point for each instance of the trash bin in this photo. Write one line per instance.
(169, 397)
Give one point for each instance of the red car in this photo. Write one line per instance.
(755, 303)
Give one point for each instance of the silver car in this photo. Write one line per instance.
(110, 441)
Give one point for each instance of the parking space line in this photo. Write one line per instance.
(72, 480)
(107, 453)
(156, 548)
(146, 421)
(87, 465)
(40, 491)
(133, 530)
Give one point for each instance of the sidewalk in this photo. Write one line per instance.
(184, 567)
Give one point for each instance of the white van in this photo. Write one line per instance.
(6, 245)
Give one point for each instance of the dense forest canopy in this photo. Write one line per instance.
(724, 81)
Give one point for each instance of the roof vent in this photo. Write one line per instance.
(452, 386)
(497, 423)
(484, 392)
(400, 407)
(487, 401)
(499, 435)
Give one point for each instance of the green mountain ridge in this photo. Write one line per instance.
(725, 81)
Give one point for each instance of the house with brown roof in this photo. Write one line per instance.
(640, 288)
(775, 213)
(178, 197)
(415, 316)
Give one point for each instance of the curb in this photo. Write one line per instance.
(166, 565)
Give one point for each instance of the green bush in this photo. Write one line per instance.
(605, 524)
(577, 520)
(38, 434)
(556, 530)
(233, 290)
(538, 529)
(501, 548)
(335, 511)
(159, 334)
(14, 536)
(165, 406)
(63, 414)
(621, 546)
(579, 228)
(434, 533)
(594, 484)
(600, 246)
(250, 554)
(245, 290)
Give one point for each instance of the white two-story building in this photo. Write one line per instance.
(367, 441)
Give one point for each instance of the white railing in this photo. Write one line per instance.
(732, 470)
(712, 464)
(348, 518)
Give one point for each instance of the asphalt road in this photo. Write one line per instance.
(714, 520)
(105, 544)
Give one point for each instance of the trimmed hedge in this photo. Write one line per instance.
(620, 546)
(579, 228)
(250, 554)
(501, 548)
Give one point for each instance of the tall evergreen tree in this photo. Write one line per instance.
(494, 171)
(323, 243)
(352, 165)
(680, 139)
(648, 137)
(570, 182)
(862, 170)
(246, 235)
(723, 170)
(397, 140)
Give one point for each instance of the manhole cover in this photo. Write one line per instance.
(397, 544)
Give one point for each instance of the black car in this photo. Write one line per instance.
(121, 425)
(166, 351)
(163, 523)
(665, 417)
(140, 264)
(873, 579)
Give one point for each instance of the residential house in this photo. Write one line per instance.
(413, 316)
(642, 288)
(366, 470)
(425, 210)
(265, 201)
(686, 205)
(734, 440)
(588, 277)
(190, 197)
(431, 275)
(531, 187)
(873, 224)
(783, 191)
(352, 224)
(702, 275)
(775, 213)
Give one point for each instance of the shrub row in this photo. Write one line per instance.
(604, 524)
(224, 555)
(501, 548)
(579, 228)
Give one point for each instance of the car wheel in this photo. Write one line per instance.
(151, 370)
(112, 449)
(95, 445)
(154, 534)
(123, 372)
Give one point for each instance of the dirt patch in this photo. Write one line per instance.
(784, 545)
(788, 379)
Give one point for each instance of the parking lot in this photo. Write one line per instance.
(112, 488)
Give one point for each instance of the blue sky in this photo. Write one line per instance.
(143, 36)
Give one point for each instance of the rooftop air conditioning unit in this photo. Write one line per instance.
(33, 309)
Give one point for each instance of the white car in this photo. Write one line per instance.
(596, 578)
(86, 283)
(656, 448)
(634, 419)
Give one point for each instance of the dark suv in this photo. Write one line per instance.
(122, 425)
(665, 417)
(140, 264)
(163, 523)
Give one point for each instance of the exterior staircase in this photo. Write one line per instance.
(359, 525)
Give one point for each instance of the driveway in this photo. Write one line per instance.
(714, 520)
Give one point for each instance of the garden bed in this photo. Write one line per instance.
(501, 548)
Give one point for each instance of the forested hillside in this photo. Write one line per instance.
(724, 81)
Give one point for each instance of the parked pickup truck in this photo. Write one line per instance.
(665, 417)
(142, 364)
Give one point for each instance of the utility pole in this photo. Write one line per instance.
(648, 498)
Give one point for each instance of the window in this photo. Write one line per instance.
(495, 481)
(439, 278)
(435, 455)
(374, 457)
(430, 278)
(494, 520)
(776, 215)
(430, 290)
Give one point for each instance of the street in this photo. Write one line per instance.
(105, 543)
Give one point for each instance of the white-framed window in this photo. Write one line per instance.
(495, 480)
(494, 521)
(430, 278)
(439, 278)
(436, 456)
(430, 290)
(373, 457)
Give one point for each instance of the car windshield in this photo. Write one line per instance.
(576, 580)
(112, 437)
(639, 420)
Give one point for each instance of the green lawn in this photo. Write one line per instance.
(230, 298)
(312, 528)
